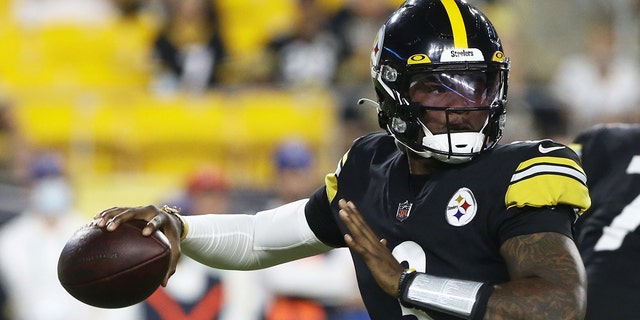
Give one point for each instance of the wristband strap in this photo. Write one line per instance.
(184, 227)
(406, 277)
(482, 298)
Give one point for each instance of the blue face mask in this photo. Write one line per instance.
(51, 197)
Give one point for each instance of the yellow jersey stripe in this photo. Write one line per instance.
(548, 182)
(457, 24)
(331, 179)
(548, 190)
(331, 184)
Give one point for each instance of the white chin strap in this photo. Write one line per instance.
(469, 143)
(461, 143)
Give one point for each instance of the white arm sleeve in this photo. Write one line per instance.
(246, 242)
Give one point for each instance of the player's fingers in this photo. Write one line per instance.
(348, 238)
(362, 239)
(115, 221)
(141, 213)
(175, 257)
(361, 244)
(353, 244)
(152, 225)
(354, 216)
(165, 281)
(104, 212)
(104, 216)
(356, 224)
(347, 217)
(356, 230)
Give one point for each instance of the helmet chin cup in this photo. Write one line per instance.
(464, 145)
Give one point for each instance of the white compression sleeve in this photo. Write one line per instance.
(246, 242)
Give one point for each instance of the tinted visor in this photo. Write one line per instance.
(447, 89)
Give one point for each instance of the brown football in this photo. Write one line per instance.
(113, 269)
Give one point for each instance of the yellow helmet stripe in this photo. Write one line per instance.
(457, 24)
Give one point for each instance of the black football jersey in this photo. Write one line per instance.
(611, 160)
(453, 222)
(607, 234)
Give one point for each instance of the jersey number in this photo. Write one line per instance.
(627, 221)
(412, 253)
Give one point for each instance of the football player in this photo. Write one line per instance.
(442, 221)
(607, 234)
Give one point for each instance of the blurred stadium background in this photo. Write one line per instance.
(83, 88)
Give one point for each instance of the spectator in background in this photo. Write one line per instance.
(13, 155)
(14, 150)
(294, 165)
(356, 120)
(532, 113)
(30, 245)
(131, 9)
(206, 190)
(598, 84)
(200, 292)
(3, 302)
(306, 56)
(353, 24)
(316, 288)
(189, 51)
(36, 13)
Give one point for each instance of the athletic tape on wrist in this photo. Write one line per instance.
(461, 298)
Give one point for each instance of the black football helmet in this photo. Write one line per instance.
(454, 44)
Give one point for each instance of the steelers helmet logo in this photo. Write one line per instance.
(462, 208)
(376, 51)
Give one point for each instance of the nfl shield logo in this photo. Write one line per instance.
(404, 209)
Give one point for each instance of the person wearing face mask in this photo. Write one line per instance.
(30, 245)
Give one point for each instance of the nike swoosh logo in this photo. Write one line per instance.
(547, 150)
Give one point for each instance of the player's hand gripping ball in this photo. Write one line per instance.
(113, 269)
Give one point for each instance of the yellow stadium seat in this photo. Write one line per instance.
(130, 130)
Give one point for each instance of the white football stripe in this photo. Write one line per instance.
(551, 169)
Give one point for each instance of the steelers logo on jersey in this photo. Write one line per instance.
(461, 208)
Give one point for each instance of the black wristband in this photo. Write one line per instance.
(482, 298)
(405, 279)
